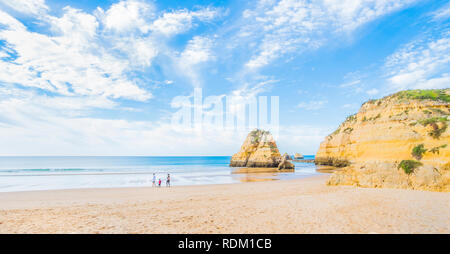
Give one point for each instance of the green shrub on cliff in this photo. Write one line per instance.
(429, 94)
(418, 151)
(436, 131)
(409, 165)
(436, 149)
(351, 118)
(432, 120)
(439, 111)
(348, 130)
(427, 112)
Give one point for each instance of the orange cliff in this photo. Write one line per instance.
(399, 141)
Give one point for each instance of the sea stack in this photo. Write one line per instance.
(259, 150)
(399, 141)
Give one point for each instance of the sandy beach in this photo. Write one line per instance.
(292, 206)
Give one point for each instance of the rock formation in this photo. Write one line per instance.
(259, 150)
(285, 163)
(399, 141)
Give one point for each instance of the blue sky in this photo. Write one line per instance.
(98, 77)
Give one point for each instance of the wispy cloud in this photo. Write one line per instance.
(351, 83)
(289, 26)
(421, 64)
(175, 22)
(55, 81)
(72, 62)
(372, 91)
(27, 6)
(197, 51)
(94, 53)
(442, 13)
(312, 105)
(273, 30)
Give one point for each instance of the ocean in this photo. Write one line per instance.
(19, 173)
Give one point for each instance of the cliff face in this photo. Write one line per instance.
(398, 141)
(259, 150)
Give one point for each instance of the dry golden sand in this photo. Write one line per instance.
(294, 206)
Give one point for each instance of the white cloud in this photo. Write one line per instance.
(75, 27)
(128, 15)
(32, 125)
(93, 54)
(140, 51)
(171, 23)
(197, 51)
(351, 83)
(254, 87)
(442, 13)
(420, 64)
(10, 22)
(312, 105)
(288, 26)
(27, 6)
(372, 91)
(81, 64)
(73, 62)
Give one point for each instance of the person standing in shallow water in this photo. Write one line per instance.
(154, 180)
(168, 180)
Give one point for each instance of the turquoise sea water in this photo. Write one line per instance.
(68, 172)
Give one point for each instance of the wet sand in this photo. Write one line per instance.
(290, 206)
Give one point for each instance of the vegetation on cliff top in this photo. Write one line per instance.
(418, 94)
(429, 94)
(256, 134)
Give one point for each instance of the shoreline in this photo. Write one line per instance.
(233, 177)
(304, 205)
(53, 193)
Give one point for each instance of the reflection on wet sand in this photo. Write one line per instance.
(259, 170)
(327, 169)
(257, 174)
(248, 174)
(257, 177)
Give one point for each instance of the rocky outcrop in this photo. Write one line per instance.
(259, 150)
(399, 141)
(285, 163)
(387, 175)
